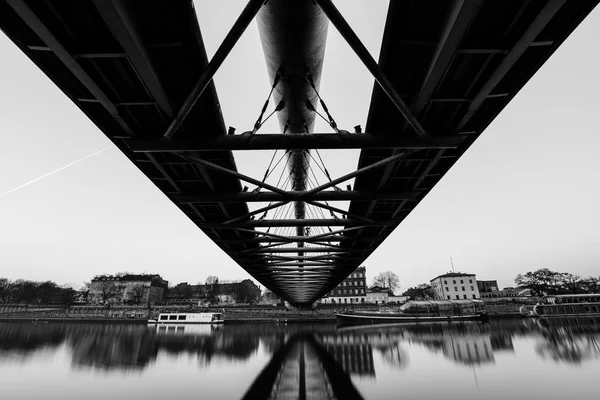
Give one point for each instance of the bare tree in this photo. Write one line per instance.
(85, 291)
(211, 280)
(136, 294)
(108, 290)
(387, 280)
(420, 292)
(213, 288)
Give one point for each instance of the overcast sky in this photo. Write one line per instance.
(525, 196)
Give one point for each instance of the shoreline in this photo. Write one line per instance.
(143, 321)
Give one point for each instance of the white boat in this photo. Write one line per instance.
(188, 318)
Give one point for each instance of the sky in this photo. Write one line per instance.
(525, 196)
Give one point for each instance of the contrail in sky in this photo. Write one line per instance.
(53, 172)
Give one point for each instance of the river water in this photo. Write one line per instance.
(510, 359)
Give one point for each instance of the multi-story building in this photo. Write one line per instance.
(352, 290)
(128, 288)
(455, 285)
(487, 286)
(245, 291)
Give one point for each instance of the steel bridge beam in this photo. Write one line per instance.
(361, 51)
(267, 141)
(238, 28)
(294, 223)
(308, 250)
(515, 53)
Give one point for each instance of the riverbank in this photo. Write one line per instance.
(232, 314)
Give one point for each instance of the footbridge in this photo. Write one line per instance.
(139, 70)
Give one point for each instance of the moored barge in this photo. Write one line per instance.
(568, 305)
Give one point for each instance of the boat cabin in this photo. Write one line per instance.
(190, 318)
(567, 305)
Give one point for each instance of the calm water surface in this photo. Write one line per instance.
(503, 359)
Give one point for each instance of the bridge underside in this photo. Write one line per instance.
(139, 71)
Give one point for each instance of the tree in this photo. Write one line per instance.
(543, 281)
(67, 295)
(269, 297)
(246, 292)
(136, 294)
(107, 291)
(85, 291)
(420, 292)
(212, 286)
(6, 288)
(47, 292)
(591, 285)
(569, 283)
(540, 282)
(387, 280)
(25, 291)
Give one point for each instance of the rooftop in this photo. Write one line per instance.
(451, 275)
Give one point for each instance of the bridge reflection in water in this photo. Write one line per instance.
(302, 369)
(302, 361)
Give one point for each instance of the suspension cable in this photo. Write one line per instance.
(259, 122)
(331, 120)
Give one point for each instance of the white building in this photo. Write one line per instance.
(378, 295)
(455, 285)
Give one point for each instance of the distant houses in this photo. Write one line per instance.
(245, 291)
(354, 290)
(127, 289)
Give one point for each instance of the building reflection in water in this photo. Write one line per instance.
(354, 353)
(128, 347)
(306, 361)
(465, 343)
(302, 369)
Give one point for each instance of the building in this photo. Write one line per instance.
(351, 291)
(245, 291)
(127, 289)
(487, 286)
(507, 292)
(455, 285)
(378, 295)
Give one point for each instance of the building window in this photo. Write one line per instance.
(362, 291)
(474, 297)
(447, 289)
(448, 297)
(163, 317)
(457, 297)
(461, 281)
(455, 288)
(464, 296)
(470, 280)
(445, 282)
(181, 318)
(171, 317)
(463, 288)
(472, 288)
